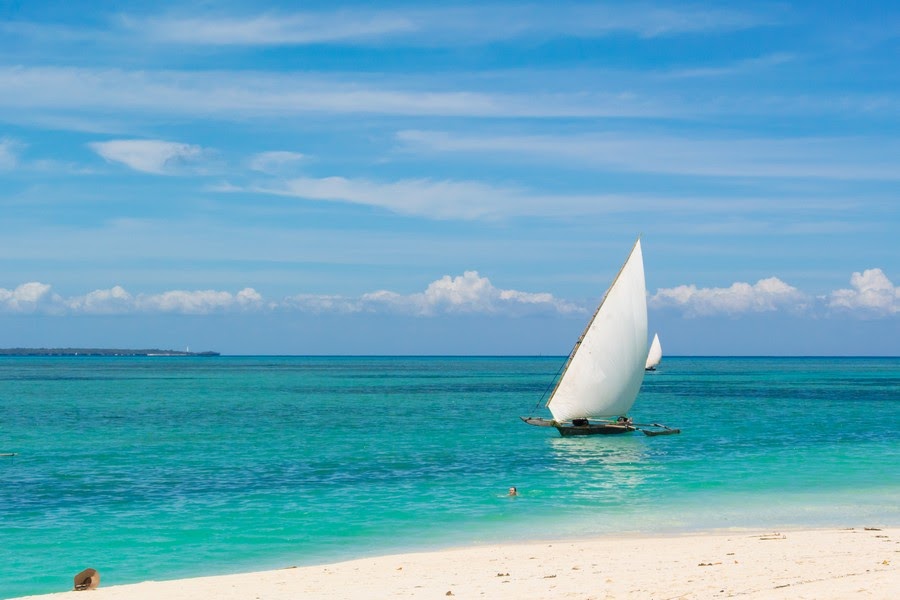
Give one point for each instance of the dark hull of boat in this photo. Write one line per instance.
(571, 429)
(592, 429)
(602, 427)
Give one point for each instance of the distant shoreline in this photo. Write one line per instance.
(99, 352)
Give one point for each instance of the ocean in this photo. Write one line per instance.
(167, 467)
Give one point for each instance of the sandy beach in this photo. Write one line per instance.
(860, 562)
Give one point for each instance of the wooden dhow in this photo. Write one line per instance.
(603, 374)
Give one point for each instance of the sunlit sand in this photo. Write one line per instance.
(860, 562)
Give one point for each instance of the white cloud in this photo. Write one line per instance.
(8, 157)
(248, 297)
(321, 304)
(737, 68)
(468, 293)
(872, 294)
(820, 157)
(418, 25)
(475, 200)
(36, 297)
(199, 302)
(32, 93)
(153, 156)
(97, 99)
(276, 161)
(421, 197)
(473, 293)
(112, 301)
(272, 29)
(447, 199)
(439, 26)
(24, 298)
(765, 295)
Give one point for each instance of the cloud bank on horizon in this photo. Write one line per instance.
(871, 295)
(349, 150)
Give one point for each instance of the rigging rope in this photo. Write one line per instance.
(552, 382)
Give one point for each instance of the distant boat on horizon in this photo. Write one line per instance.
(603, 374)
(655, 354)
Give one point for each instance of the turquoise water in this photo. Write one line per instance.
(154, 468)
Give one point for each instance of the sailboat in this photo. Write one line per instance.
(603, 373)
(655, 354)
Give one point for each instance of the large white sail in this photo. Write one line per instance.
(655, 354)
(605, 371)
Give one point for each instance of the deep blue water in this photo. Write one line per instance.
(171, 467)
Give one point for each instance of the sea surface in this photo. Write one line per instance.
(166, 467)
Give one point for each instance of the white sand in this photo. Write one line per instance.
(817, 564)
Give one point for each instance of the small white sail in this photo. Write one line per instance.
(655, 354)
(605, 371)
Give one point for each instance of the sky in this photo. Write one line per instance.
(448, 177)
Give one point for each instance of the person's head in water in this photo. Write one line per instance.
(513, 491)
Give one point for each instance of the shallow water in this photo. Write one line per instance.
(170, 467)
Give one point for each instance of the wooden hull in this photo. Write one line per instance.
(583, 427)
(593, 429)
(571, 429)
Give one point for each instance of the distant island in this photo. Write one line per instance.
(98, 352)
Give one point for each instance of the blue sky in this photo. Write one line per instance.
(463, 178)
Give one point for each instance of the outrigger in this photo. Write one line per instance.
(601, 427)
